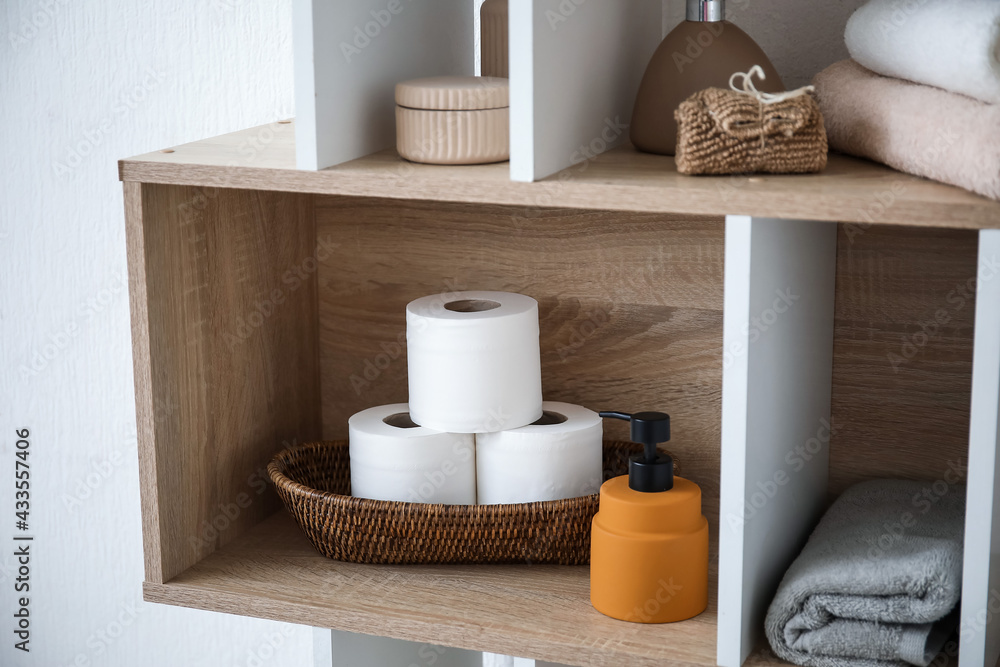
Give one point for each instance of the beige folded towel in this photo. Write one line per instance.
(914, 128)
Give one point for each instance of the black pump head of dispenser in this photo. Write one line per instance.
(652, 471)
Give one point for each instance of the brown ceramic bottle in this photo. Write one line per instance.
(702, 52)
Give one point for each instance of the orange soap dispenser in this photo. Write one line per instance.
(649, 545)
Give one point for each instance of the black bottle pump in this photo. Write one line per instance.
(652, 471)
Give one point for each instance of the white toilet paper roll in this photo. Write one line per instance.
(394, 459)
(557, 457)
(474, 361)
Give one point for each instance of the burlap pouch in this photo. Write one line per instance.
(743, 131)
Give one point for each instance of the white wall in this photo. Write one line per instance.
(83, 84)
(800, 37)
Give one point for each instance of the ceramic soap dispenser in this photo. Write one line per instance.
(649, 545)
(702, 52)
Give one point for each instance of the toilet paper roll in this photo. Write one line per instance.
(558, 457)
(394, 459)
(473, 361)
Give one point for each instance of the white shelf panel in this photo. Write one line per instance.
(776, 387)
(349, 56)
(575, 69)
(980, 630)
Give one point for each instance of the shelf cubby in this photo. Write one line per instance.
(268, 303)
(350, 56)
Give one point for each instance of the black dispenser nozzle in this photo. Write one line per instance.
(651, 472)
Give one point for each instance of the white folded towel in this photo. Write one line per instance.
(950, 44)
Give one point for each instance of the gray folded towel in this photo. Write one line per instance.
(877, 579)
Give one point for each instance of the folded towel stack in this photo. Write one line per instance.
(877, 582)
(923, 92)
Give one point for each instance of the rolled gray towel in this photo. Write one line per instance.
(876, 582)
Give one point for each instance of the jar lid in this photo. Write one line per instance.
(454, 93)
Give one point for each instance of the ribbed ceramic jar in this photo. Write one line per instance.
(453, 120)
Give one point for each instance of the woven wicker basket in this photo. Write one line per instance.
(314, 482)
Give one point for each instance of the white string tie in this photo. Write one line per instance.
(762, 97)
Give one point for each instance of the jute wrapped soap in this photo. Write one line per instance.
(740, 131)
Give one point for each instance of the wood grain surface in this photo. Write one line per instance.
(902, 353)
(630, 307)
(263, 317)
(145, 410)
(849, 190)
(536, 611)
(225, 358)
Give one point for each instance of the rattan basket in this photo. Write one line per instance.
(314, 482)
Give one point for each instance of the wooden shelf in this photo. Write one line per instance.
(535, 611)
(850, 190)
(256, 304)
(540, 611)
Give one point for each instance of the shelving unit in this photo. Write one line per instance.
(268, 305)
(849, 190)
(349, 57)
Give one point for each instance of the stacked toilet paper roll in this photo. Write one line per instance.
(473, 361)
(475, 426)
(393, 458)
(557, 457)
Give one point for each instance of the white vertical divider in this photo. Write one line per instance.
(498, 660)
(575, 69)
(334, 648)
(776, 388)
(980, 629)
(322, 640)
(350, 55)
